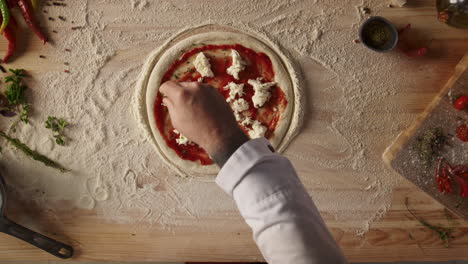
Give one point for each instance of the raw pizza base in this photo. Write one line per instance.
(162, 59)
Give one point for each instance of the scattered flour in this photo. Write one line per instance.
(139, 4)
(115, 170)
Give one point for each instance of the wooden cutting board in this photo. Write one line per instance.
(440, 113)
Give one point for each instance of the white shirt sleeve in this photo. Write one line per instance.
(286, 225)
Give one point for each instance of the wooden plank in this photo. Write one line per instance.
(228, 238)
(391, 152)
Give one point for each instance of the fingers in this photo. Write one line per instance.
(168, 103)
(170, 107)
(195, 85)
(170, 89)
(189, 85)
(178, 92)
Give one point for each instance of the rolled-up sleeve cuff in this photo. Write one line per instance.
(237, 166)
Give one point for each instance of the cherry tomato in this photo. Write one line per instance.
(461, 103)
(462, 133)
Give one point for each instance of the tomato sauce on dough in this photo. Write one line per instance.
(182, 70)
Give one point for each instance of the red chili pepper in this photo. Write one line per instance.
(12, 3)
(443, 16)
(447, 179)
(461, 103)
(10, 36)
(442, 178)
(464, 185)
(30, 19)
(411, 51)
(417, 52)
(445, 173)
(439, 184)
(461, 169)
(462, 133)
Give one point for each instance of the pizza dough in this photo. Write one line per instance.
(163, 58)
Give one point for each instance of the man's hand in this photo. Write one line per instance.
(201, 114)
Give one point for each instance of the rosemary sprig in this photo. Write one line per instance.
(445, 234)
(31, 153)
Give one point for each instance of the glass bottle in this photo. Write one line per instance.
(453, 12)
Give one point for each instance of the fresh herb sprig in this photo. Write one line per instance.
(445, 234)
(31, 153)
(23, 116)
(429, 144)
(57, 125)
(15, 87)
(16, 98)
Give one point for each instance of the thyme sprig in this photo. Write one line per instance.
(444, 234)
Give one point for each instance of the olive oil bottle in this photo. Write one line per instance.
(453, 12)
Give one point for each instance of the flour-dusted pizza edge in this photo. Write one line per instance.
(139, 102)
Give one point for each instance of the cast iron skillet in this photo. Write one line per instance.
(55, 248)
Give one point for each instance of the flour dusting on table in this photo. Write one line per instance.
(115, 170)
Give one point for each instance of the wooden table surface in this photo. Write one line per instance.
(395, 237)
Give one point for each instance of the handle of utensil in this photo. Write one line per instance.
(49, 245)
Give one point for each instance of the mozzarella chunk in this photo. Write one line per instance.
(247, 121)
(261, 92)
(234, 89)
(181, 140)
(240, 105)
(237, 66)
(258, 130)
(202, 65)
(238, 116)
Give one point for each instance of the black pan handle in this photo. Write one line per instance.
(54, 247)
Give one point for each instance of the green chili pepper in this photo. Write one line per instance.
(5, 15)
(34, 3)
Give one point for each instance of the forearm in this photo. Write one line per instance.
(286, 225)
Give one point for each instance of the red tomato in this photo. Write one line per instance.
(462, 133)
(461, 103)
